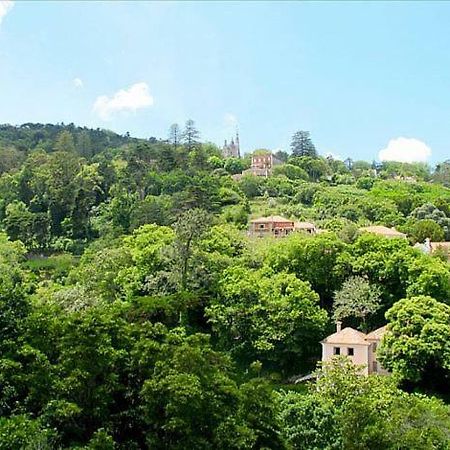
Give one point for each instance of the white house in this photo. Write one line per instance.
(359, 347)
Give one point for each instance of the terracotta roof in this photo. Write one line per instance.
(347, 336)
(376, 334)
(384, 231)
(271, 219)
(304, 225)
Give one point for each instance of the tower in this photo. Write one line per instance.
(238, 147)
(232, 150)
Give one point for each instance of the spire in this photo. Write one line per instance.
(237, 143)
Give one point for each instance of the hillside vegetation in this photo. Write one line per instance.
(137, 313)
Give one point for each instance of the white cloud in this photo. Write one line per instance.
(78, 82)
(135, 97)
(405, 150)
(5, 7)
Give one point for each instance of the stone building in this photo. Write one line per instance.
(232, 149)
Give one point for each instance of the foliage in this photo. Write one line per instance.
(272, 317)
(416, 345)
(135, 311)
(356, 298)
(302, 145)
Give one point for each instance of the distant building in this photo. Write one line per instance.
(271, 226)
(262, 165)
(307, 227)
(359, 347)
(429, 247)
(232, 149)
(383, 231)
(278, 226)
(443, 247)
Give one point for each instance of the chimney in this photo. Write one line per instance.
(338, 326)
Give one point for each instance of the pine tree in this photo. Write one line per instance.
(191, 135)
(174, 135)
(302, 145)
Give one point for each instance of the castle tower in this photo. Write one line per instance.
(232, 150)
(238, 147)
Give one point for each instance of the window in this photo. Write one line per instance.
(336, 350)
(374, 347)
(350, 351)
(374, 366)
(261, 226)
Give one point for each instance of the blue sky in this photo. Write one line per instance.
(361, 77)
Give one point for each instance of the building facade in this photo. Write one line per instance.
(278, 226)
(271, 226)
(232, 149)
(360, 348)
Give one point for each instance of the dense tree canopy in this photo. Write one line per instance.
(137, 312)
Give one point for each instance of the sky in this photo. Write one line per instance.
(369, 80)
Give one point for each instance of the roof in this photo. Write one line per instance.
(376, 334)
(306, 225)
(346, 336)
(271, 219)
(384, 231)
(443, 245)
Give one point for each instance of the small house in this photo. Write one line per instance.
(262, 165)
(278, 226)
(271, 226)
(361, 348)
(306, 227)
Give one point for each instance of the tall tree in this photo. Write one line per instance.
(84, 144)
(174, 135)
(189, 229)
(65, 142)
(357, 298)
(417, 343)
(302, 145)
(191, 135)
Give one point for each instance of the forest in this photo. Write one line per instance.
(136, 311)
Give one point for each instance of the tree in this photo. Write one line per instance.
(316, 260)
(190, 135)
(65, 142)
(309, 422)
(315, 167)
(373, 413)
(301, 145)
(84, 144)
(291, 171)
(174, 135)
(271, 317)
(442, 173)
(427, 229)
(417, 342)
(356, 298)
(18, 223)
(234, 165)
(429, 211)
(189, 229)
(21, 432)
